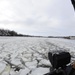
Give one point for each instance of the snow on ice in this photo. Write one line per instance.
(29, 55)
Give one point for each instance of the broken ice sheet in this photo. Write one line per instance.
(40, 71)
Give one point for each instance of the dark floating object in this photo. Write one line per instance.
(59, 61)
(73, 3)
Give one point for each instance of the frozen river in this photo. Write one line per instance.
(28, 56)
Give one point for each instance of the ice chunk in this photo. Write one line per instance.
(24, 71)
(6, 70)
(44, 62)
(2, 66)
(40, 71)
(32, 64)
(16, 61)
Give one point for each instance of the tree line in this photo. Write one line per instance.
(4, 32)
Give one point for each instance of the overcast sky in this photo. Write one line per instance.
(38, 17)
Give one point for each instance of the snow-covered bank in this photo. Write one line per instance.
(28, 56)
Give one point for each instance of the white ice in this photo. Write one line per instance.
(30, 54)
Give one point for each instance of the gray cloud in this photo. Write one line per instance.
(38, 17)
